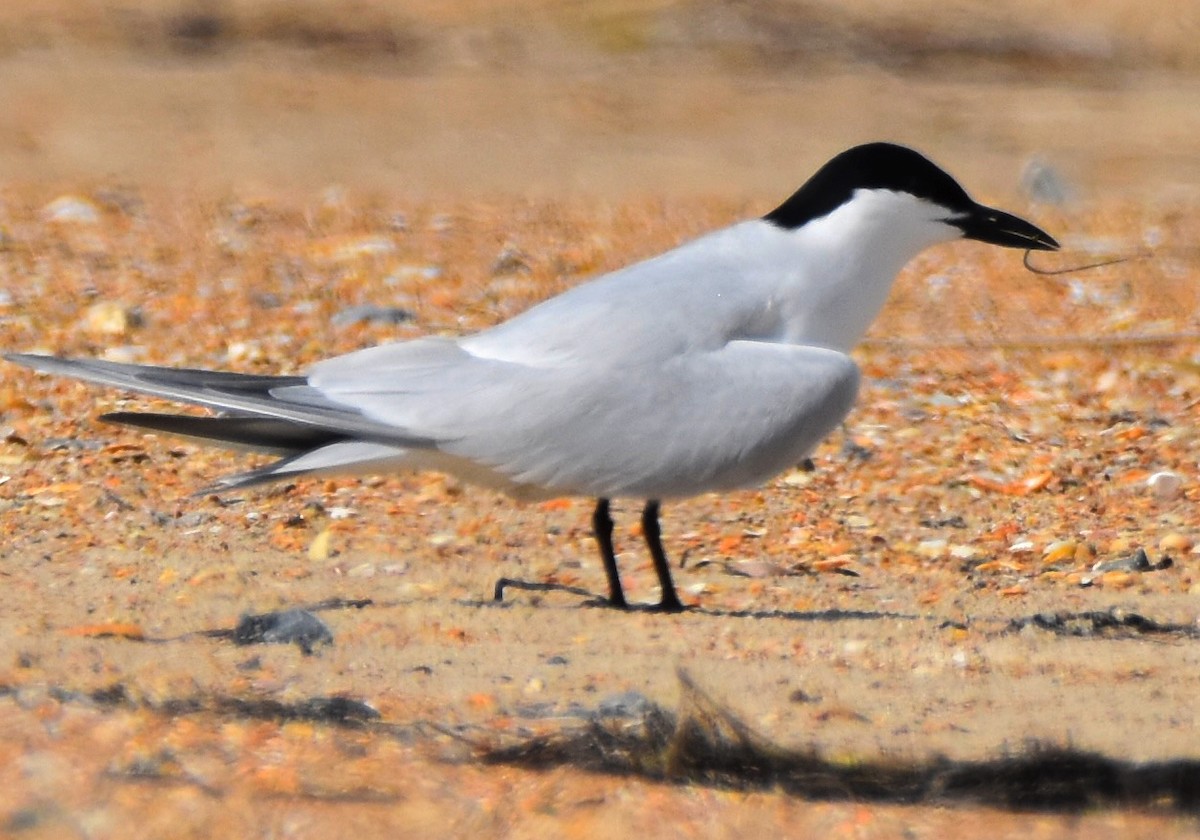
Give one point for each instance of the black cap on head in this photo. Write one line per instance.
(872, 166)
(886, 166)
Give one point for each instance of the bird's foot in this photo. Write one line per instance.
(669, 605)
(608, 603)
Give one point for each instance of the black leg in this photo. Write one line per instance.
(602, 526)
(650, 530)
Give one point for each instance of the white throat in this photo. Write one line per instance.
(849, 260)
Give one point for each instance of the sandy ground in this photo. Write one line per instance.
(221, 208)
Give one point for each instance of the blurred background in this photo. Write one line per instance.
(608, 98)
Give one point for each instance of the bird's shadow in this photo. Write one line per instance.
(594, 601)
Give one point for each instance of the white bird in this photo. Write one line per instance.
(711, 367)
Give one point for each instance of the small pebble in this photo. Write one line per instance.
(230, 241)
(1165, 485)
(854, 647)
(441, 223)
(1121, 572)
(933, 548)
(71, 209)
(536, 711)
(412, 273)
(332, 201)
(798, 478)
(1136, 562)
(108, 318)
(1043, 183)
(1175, 542)
(363, 246)
(295, 625)
(369, 313)
(941, 400)
(339, 709)
(510, 260)
(319, 548)
(1060, 550)
(124, 353)
(628, 704)
(756, 569)
(244, 351)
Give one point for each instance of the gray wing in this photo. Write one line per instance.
(695, 422)
(720, 420)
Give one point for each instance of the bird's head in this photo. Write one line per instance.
(894, 185)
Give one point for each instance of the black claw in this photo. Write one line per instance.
(673, 605)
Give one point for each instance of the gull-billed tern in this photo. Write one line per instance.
(711, 367)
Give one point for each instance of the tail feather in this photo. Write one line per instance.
(282, 415)
(284, 398)
(261, 434)
(345, 457)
